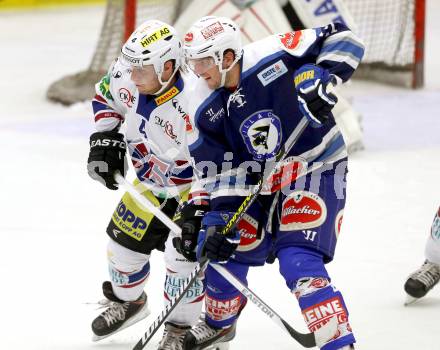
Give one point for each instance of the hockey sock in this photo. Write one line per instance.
(188, 310)
(128, 286)
(319, 300)
(223, 302)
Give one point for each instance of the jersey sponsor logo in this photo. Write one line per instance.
(157, 35)
(189, 37)
(214, 116)
(261, 132)
(118, 277)
(307, 75)
(212, 30)
(167, 96)
(221, 310)
(319, 283)
(338, 222)
(126, 97)
(248, 228)
(129, 222)
(173, 283)
(166, 126)
(291, 40)
(292, 168)
(183, 115)
(308, 286)
(272, 72)
(302, 210)
(319, 314)
(104, 87)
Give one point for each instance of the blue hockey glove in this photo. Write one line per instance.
(212, 243)
(311, 82)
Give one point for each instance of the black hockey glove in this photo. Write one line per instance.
(212, 243)
(311, 82)
(106, 157)
(189, 217)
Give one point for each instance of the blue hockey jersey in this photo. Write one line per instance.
(238, 131)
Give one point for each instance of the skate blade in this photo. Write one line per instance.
(138, 317)
(219, 346)
(410, 300)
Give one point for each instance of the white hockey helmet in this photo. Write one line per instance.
(153, 43)
(211, 36)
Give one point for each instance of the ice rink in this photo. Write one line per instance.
(53, 216)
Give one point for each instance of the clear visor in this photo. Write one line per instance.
(143, 75)
(201, 65)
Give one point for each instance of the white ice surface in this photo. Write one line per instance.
(53, 217)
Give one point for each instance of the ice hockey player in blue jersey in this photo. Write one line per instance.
(246, 103)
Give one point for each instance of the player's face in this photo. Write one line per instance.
(145, 79)
(207, 69)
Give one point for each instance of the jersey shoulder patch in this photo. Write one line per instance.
(296, 43)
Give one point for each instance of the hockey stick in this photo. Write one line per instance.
(268, 172)
(145, 202)
(308, 340)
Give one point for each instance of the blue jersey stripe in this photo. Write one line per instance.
(331, 149)
(342, 47)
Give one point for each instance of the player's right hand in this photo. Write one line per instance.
(212, 243)
(106, 157)
(315, 102)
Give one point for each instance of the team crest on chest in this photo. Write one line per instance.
(262, 134)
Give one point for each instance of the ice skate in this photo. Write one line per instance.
(173, 336)
(203, 336)
(118, 314)
(420, 282)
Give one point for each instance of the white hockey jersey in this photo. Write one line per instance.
(154, 127)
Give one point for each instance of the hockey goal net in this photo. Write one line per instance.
(393, 31)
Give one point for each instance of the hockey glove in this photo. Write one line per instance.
(189, 217)
(106, 157)
(212, 243)
(311, 82)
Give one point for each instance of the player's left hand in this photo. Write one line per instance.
(189, 217)
(315, 102)
(212, 243)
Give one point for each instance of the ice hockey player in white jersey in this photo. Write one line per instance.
(421, 281)
(140, 107)
(246, 104)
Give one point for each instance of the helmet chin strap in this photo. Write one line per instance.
(164, 83)
(224, 71)
(223, 77)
